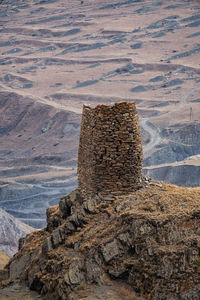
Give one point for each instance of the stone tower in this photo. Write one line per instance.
(110, 149)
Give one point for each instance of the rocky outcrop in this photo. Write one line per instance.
(11, 230)
(148, 238)
(146, 235)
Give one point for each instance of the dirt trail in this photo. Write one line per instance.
(53, 104)
(154, 134)
(154, 131)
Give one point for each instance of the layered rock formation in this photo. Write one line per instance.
(147, 238)
(110, 149)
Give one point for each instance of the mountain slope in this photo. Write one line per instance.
(11, 230)
(148, 239)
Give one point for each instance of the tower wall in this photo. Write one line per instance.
(110, 149)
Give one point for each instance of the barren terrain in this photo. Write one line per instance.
(57, 55)
(145, 243)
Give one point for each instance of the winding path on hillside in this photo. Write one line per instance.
(154, 135)
(153, 131)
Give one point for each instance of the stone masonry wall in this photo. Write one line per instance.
(110, 149)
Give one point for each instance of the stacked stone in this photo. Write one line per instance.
(110, 149)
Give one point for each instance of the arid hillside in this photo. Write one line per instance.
(11, 230)
(57, 55)
(142, 244)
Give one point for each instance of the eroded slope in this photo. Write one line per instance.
(148, 239)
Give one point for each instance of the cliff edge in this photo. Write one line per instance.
(148, 239)
(123, 238)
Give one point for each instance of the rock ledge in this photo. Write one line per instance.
(149, 239)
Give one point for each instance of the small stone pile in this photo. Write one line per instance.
(110, 149)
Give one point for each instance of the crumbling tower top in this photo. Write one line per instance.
(110, 149)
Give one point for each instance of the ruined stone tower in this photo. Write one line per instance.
(110, 149)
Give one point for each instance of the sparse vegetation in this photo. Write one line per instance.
(174, 276)
(197, 262)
